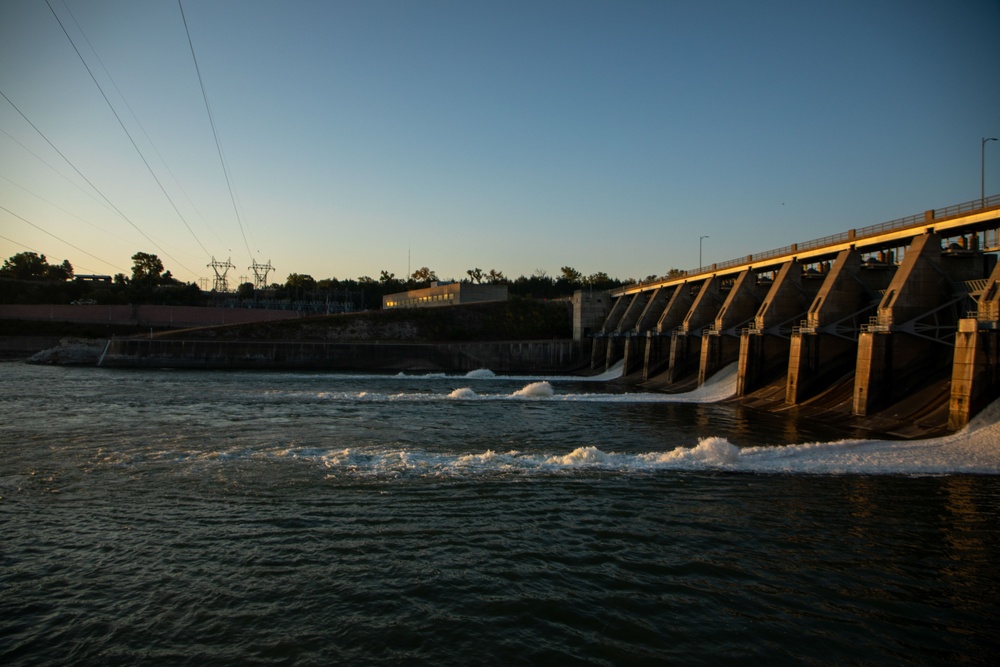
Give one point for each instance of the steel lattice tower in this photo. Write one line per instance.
(221, 269)
(260, 272)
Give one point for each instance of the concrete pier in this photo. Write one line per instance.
(604, 340)
(658, 341)
(637, 343)
(721, 343)
(892, 356)
(825, 346)
(764, 347)
(975, 377)
(628, 343)
(686, 342)
(976, 371)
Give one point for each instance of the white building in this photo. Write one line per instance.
(448, 294)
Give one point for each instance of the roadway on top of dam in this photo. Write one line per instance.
(972, 216)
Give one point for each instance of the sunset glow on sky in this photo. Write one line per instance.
(518, 136)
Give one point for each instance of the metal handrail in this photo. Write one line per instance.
(915, 220)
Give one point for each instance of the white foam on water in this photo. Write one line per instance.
(465, 394)
(949, 455)
(974, 450)
(719, 387)
(612, 373)
(535, 390)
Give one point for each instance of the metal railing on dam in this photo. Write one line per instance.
(915, 221)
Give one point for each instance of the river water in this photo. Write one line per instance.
(250, 518)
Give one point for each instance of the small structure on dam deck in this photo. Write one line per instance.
(896, 325)
(445, 294)
(590, 310)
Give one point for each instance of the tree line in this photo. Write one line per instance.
(539, 285)
(27, 277)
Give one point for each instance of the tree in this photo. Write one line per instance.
(475, 275)
(387, 277)
(596, 279)
(495, 277)
(25, 265)
(245, 292)
(675, 273)
(29, 265)
(300, 281)
(62, 272)
(146, 268)
(168, 279)
(570, 275)
(424, 275)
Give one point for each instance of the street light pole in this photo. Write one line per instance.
(700, 239)
(982, 170)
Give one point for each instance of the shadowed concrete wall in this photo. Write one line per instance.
(658, 341)
(600, 353)
(975, 373)
(144, 315)
(686, 343)
(890, 358)
(764, 351)
(637, 345)
(499, 356)
(827, 348)
(627, 345)
(723, 346)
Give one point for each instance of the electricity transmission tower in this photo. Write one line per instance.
(260, 272)
(221, 269)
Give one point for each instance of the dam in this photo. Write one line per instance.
(896, 321)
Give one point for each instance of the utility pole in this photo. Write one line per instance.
(982, 170)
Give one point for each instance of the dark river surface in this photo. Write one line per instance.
(243, 518)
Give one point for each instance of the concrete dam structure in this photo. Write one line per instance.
(895, 324)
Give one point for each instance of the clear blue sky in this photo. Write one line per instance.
(517, 136)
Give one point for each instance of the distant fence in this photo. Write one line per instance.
(143, 315)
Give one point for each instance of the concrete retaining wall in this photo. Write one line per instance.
(13, 347)
(501, 357)
(146, 316)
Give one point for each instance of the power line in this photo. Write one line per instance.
(96, 189)
(57, 207)
(127, 133)
(139, 123)
(59, 173)
(4, 208)
(211, 120)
